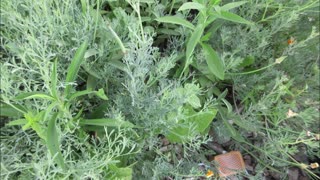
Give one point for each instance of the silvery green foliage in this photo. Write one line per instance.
(156, 102)
(265, 97)
(33, 34)
(143, 92)
(37, 32)
(25, 157)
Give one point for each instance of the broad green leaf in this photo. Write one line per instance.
(191, 5)
(214, 63)
(232, 5)
(54, 79)
(203, 68)
(30, 95)
(178, 134)
(232, 17)
(193, 41)
(194, 101)
(201, 119)
(106, 122)
(124, 173)
(53, 141)
(92, 82)
(75, 66)
(175, 20)
(204, 119)
(17, 122)
(90, 52)
(233, 132)
(247, 61)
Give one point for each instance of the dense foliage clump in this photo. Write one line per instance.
(141, 89)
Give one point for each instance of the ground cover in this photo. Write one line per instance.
(107, 89)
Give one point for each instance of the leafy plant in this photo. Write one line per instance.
(209, 11)
(142, 89)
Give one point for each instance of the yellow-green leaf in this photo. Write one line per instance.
(17, 122)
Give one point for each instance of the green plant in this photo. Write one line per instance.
(141, 89)
(209, 11)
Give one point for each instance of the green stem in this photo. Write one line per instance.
(254, 71)
(301, 141)
(123, 49)
(172, 4)
(265, 11)
(140, 21)
(96, 24)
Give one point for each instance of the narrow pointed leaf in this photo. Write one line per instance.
(117, 64)
(202, 120)
(193, 41)
(232, 5)
(214, 63)
(53, 141)
(175, 20)
(106, 122)
(30, 95)
(80, 93)
(54, 79)
(232, 17)
(191, 5)
(100, 93)
(17, 122)
(233, 132)
(75, 66)
(12, 111)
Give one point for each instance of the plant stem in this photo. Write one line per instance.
(96, 23)
(123, 49)
(172, 4)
